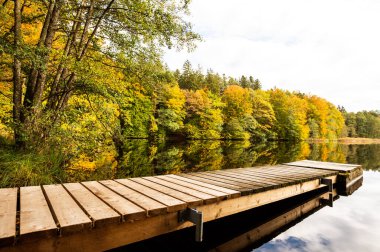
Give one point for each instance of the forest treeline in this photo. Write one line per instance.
(83, 77)
(362, 124)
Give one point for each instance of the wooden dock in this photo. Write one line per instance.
(100, 215)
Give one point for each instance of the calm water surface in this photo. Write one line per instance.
(353, 224)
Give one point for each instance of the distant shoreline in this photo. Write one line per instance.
(348, 140)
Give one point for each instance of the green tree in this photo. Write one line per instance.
(239, 122)
(72, 35)
(264, 114)
(191, 79)
(291, 115)
(170, 110)
(213, 82)
(203, 115)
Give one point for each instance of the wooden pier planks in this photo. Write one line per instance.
(207, 198)
(231, 193)
(189, 199)
(69, 215)
(217, 194)
(152, 207)
(347, 173)
(99, 211)
(126, 208)
(172, 204)
(152, 200)
(8, 210)
(323, 165)
(35, 215)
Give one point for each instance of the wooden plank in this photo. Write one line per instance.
(254, 179)
(323, 165)
(290, 174)
(8, 210)
(218, 194)
(292, 178)
(286, 173)
(302, 175)
(127, 209)
(303, 170)
(286, 169)
(207, 198)
(267, 175)
(172, 204)
(258, 175)
(227, 181)
(189, 199)
(151, 206)
(112, 236)
(70, 216)
(242, 190)
(35, 216)
(238, 178)
(193, 176)
(100, 212)
(232, 193)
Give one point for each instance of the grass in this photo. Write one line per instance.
(21, 168)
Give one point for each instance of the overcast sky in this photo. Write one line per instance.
(330, 48)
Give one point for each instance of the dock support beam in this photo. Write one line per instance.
(195, 217)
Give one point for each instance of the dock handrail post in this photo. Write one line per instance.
(195, 217)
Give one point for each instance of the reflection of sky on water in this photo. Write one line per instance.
(353, 224)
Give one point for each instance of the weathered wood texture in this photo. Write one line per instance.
(348, 173)
(8, 204)
(69, 215)
(323, 165)
(102, 215)
(35, 216)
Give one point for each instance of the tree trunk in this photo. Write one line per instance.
(17, 84)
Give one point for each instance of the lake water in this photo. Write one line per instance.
(352, 224)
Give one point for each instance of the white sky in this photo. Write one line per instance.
(330, 48)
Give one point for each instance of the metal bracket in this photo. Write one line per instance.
(328, 182)
(329, 201)
(195, 217)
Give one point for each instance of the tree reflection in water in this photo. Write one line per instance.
(142, 158)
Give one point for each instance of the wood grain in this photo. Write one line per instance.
(35, 215)
(127, 209)
(152, 207)
(70, 216)
(8, 205)
(173, 204)
(100, 212)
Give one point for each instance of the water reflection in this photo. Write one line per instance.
(142, 158)
(353, 224)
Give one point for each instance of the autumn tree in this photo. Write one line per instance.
(264, 115)
(239, 122)
(203, 115)
(73, 34)
(170, 110)
(291, 115)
